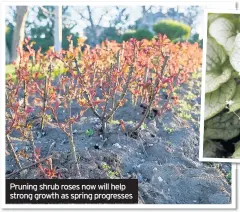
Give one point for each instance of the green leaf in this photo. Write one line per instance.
(221, 120)
(236, 100)
(89, 132)
(236, 154)
(216, 55)
(223, 134)
(224, 126)
(235, 54)
(224, 31)
(209, 149)
(215, 101)
(214, 79)
(230, 45)
(212, 17)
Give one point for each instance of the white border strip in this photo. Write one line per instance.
(95, 206)
(118, 2)
(201, 158)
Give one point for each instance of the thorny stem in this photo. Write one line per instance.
(10, 111)
(109, 91)
(46, 81)
(32, 68)
(91, 105)
(113, 104)
(87, 97)
(25, 94)
(134, 129)
(146, 75)
(27, 167)
(72, 145)
(118, 67)
(117, 105)
(77, 66)
(44, 103)
(122, 95)
(151, 100)
(31, 140)
(104, 127)
(94, 74)
(106, 117)
(13, 152)
(170, 96)
(145, 81)
(70, 137)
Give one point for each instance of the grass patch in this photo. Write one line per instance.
(114, 122)
(167, 129)
(59, 69)
(10, 69)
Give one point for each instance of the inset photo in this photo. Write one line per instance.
(221, 86)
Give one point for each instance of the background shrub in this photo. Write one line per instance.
(173, 29)
(143, 34)
(138, 34)
(127, 35)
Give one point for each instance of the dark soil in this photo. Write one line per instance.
(164, 158)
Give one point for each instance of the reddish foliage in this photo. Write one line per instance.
(100, 78)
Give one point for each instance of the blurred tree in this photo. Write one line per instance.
(127, 35)
(19, 30)
(41, 29)
(190, 18)
(95, 30)
(110, 33)
(11, 10)
(92, 28)
(46, 30)
(9, 36)
(68, 25)
(146, 10)
(8, 39)
(138, 34)
(195, 39)
(120, 19)
(7, 52)
(143, 34)
(101, 23)
(154, 14)
(67, 32)
(173, 29)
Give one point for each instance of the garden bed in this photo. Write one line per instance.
(164, 159)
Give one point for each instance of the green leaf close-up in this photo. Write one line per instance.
(212, 17)
(224, 32)
(236, 154)
(215, 101)
(214, 79)
(224, 126)
(222, 87)
(216, 55)
(236, 101)
(235, 54)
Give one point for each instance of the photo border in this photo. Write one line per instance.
(201, 157)
(94, 206)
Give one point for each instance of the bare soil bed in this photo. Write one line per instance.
(164, 159)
